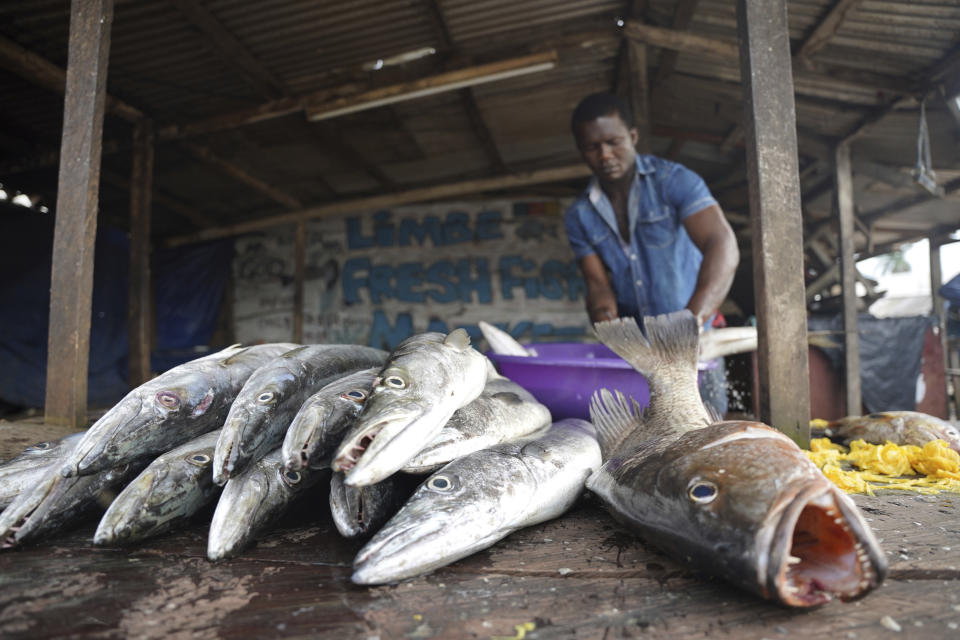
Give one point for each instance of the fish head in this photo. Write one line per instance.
(108, 439)
(318, 423)
(242, 434)
(743, 501)
(462, 508)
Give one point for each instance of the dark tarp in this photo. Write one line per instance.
(189, 284)
(891, 354)
(951, 291)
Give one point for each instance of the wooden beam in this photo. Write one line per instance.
(848, 280)
(42, 72)
(431, 85)
(901, 204)
(639, 88)
(424, 194)
(75, 227)
(299, 275)
(205, 154)
(772, 169)
(230, 49)
(682, 17)
(139, 308)
(825, 29)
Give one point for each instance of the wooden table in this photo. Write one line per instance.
(580, 576)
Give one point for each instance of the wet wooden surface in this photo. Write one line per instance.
(580, 576)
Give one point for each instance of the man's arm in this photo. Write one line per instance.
(710, 231)
(601, 301)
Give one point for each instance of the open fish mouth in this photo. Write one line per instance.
(8, 535)
(394, 422)
(350, 455)
(822, 549)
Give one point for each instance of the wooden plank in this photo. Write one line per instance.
(75, 228)
(230, 49)
(777, 235)
(299, 275)
(424, 194)
(639, 88)
(682, 17)
(431, 85)
(207, 155)
(826, 28)
(680, 40)
(848, 268)
(141, 284)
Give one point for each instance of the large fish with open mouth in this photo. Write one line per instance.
(737, 499)
(898, 427)
(427, 377)
(359, 511)
(186, 401)
(255, 498)
(58, 502)
(171, 489)
(33, 465)
(319, 424)
(479, 499)
(271, 397)
(504, 411)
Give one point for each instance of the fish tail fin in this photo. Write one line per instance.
(615, 417)
(671, 343)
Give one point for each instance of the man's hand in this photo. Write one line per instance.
(601, 301)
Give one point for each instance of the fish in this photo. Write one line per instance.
(898, 427)
(322, 419)
(57, 502)
(478, 499)
(359, 511)
(254, 498)
(502, 343)
(172, 488)
(504, 411)
(426, 378)
(737, 499)
(32, 465)
(175, 407)
(271, 397)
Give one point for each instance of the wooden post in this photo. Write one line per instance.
(848, 280)
(773, 176)
(936, 281)
(639, 87)
(71, 285)
(139, 307)
(300, 259)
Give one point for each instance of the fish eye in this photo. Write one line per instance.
(395, 382)
(702, 491)
(356, 394)
(40, 446)
(199, 459)
(266, 397)
(290, 477)
(169, 399)
(440, 483)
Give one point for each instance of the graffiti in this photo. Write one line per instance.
(456, 227)
(257, 264)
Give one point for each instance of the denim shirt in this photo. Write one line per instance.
(655, 270)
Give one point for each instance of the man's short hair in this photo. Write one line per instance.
(598, 105)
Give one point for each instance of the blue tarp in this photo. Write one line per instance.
(951, 291)
(189, 284)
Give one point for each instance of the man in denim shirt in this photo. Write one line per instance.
(648, 235)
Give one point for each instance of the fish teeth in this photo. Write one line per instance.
(793, 560)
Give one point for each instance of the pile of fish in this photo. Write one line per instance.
(435, 455)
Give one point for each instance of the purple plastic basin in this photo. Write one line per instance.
(564, 375)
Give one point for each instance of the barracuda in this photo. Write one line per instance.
(186, 401)
(33, 465)
(359, 511)
(737, 499)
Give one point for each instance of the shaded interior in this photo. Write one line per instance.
(825, 560)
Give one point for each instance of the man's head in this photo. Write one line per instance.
(602, 125)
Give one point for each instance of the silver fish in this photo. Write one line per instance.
(171, 489)
(427, 377)
(319, 424)
(359, 511)
(32, 465)
(737, 499)
(255, 498)
(504, 411)
(186, 401)
(898, 427)
(58, 502)
(271, 397)
(479, 499)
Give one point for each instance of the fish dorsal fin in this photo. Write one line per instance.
(293, 352)
(615, 418)
(459, 339)
(230, 360)
(508, 397)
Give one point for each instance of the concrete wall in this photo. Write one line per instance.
(376, 278)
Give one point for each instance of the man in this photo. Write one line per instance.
(648, 235)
